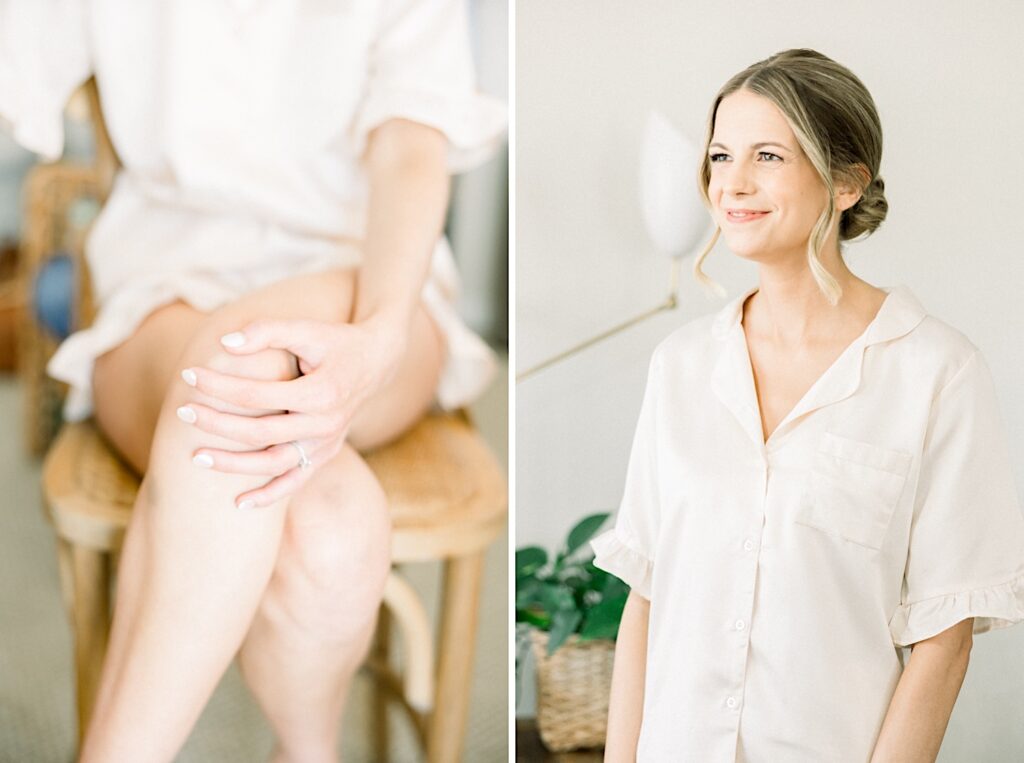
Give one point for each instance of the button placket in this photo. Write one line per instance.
(749, 561)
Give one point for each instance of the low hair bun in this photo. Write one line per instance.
(864, 217)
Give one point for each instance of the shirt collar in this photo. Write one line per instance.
(900, 314)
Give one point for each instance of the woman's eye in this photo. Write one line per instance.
(768, 156)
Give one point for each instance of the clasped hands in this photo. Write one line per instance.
(341, 366)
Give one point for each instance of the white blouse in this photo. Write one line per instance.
(241, 125)
(783, 575)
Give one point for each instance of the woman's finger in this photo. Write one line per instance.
(304, 339)
(270, 462)
(279, 487)
(256, 431)
(299, 394)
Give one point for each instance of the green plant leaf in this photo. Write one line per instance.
(584, 531)
(526, 597)
(603, 619)
(556, 568)
(556, 597)
(598, 577)
(529, 560)
(563, 625)
(614, 586)
(535, 617)
(576, 582)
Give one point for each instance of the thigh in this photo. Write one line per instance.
(131, 381)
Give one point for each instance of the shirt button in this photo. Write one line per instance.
(731, 702)
(748, 545)
(740, 625)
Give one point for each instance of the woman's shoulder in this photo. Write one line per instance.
(688, 347)
(940, 347)
(921, 344)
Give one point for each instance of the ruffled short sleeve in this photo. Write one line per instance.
(966, 554)
(627, 550)
(421, 69)
(44, 57)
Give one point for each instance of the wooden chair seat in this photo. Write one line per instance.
(445, 489)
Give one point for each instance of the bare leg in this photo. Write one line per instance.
(316, 619)
(194, 568)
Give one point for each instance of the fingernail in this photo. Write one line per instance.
(203, 460)
(187, 415)
(234, 339)
(247, 504)
(189, 376)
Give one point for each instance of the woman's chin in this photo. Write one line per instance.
(746, 250)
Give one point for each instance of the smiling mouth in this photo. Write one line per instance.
(744, 216)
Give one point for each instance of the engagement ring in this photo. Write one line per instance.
(304, 461)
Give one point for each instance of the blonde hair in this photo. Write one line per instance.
(836, 124)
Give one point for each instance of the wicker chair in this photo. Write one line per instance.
(446, 492)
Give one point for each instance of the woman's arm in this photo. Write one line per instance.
(924, 698)
(342, 364)
(408, 198)
(626, 704)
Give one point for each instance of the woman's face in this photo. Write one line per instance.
(765, 193)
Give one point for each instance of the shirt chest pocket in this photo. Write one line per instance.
(852, 489)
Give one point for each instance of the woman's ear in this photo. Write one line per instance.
(850, 186)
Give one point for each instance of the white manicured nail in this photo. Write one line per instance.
(247, 504)
(189, 376)
(235, 339)
(203, 460)
(187, 415)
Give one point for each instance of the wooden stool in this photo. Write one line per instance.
(448, 503)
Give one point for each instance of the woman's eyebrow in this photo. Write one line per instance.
(755, 146)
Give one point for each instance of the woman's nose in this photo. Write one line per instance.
(738, 178)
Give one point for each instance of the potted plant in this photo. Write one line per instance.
(569, 611)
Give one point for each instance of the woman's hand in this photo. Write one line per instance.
(342, 365)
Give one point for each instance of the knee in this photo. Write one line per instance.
(338, 540)
(346, 539)
(205, 350)
(172, 442)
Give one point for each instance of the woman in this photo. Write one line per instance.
(276, 297)
(819, 476)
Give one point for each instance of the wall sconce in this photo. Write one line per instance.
(673, 213)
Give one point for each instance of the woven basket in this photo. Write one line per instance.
(572, 687)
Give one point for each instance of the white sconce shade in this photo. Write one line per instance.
(673, 210)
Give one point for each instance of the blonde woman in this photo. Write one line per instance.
(820, 473)
(275, 298)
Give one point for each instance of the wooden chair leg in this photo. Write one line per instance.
(459, 609)
(66, 568)
(91, 623)
(380, 653)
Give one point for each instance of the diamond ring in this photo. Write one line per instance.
(304, 462)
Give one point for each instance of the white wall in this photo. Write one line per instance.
(949, 85)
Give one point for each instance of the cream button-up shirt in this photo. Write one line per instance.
(783, 576)
(241, 126)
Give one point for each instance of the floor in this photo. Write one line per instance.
(530, 749)
(36, 711)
